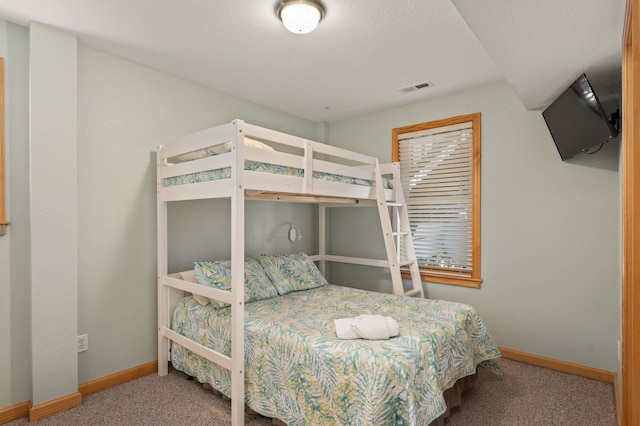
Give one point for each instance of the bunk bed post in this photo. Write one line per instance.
(308, 167)
(322, 235)
(163, 291)
(237, 276)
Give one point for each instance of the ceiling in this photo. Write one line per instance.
(363, 52)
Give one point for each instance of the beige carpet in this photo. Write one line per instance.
(523, 395)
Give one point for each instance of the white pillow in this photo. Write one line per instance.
(253, 144)
(220, 149)
(189, 276)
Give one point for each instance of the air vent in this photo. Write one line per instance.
(416, 87)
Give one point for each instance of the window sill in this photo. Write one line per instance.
(448, 280)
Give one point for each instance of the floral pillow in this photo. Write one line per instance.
(292, 272)
(217, 274)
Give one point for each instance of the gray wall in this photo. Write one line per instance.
(550, 230)
(194, 236)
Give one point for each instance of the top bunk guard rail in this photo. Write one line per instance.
(196, 166)
(199, 140)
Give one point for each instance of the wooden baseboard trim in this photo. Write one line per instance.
(64, 403)
(119, 378)
(562, 366)
(14, 412)
(55, 406)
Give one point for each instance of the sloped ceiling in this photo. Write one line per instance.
(363, 52)
(542, 46)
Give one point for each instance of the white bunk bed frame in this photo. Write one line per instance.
(390, 203)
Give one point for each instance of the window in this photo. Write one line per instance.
(440, 171)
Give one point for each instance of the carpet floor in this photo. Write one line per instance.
(523, 395)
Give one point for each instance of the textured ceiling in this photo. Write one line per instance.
(361, 55)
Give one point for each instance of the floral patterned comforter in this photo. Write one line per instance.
(299, 372)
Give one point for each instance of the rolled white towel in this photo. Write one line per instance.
(370, 327)
(343, 328)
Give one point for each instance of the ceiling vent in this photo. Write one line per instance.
(416, 87)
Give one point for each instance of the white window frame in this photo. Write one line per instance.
(448, 272)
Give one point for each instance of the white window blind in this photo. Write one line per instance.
(437, 179)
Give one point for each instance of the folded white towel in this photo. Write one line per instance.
(370, 327)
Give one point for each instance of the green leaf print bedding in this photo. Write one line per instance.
(298, 371)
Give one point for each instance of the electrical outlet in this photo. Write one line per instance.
(83, 343)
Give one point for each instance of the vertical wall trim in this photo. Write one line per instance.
(53, 213)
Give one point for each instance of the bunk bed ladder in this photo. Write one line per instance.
(396, 230)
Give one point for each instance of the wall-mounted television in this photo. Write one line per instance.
(576, 120)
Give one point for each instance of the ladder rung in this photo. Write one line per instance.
(407, 262)
(401, 233)
(412, 292)
(394, 204)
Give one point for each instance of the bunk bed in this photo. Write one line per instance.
(269, 338)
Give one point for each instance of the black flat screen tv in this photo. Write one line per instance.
(576, 120)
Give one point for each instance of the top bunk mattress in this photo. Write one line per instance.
(256, 166)
(297, 369)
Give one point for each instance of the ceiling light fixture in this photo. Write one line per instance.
(300, 16)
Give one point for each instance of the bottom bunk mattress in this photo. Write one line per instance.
(298, 371)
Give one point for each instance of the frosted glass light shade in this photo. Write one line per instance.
(300, 17)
